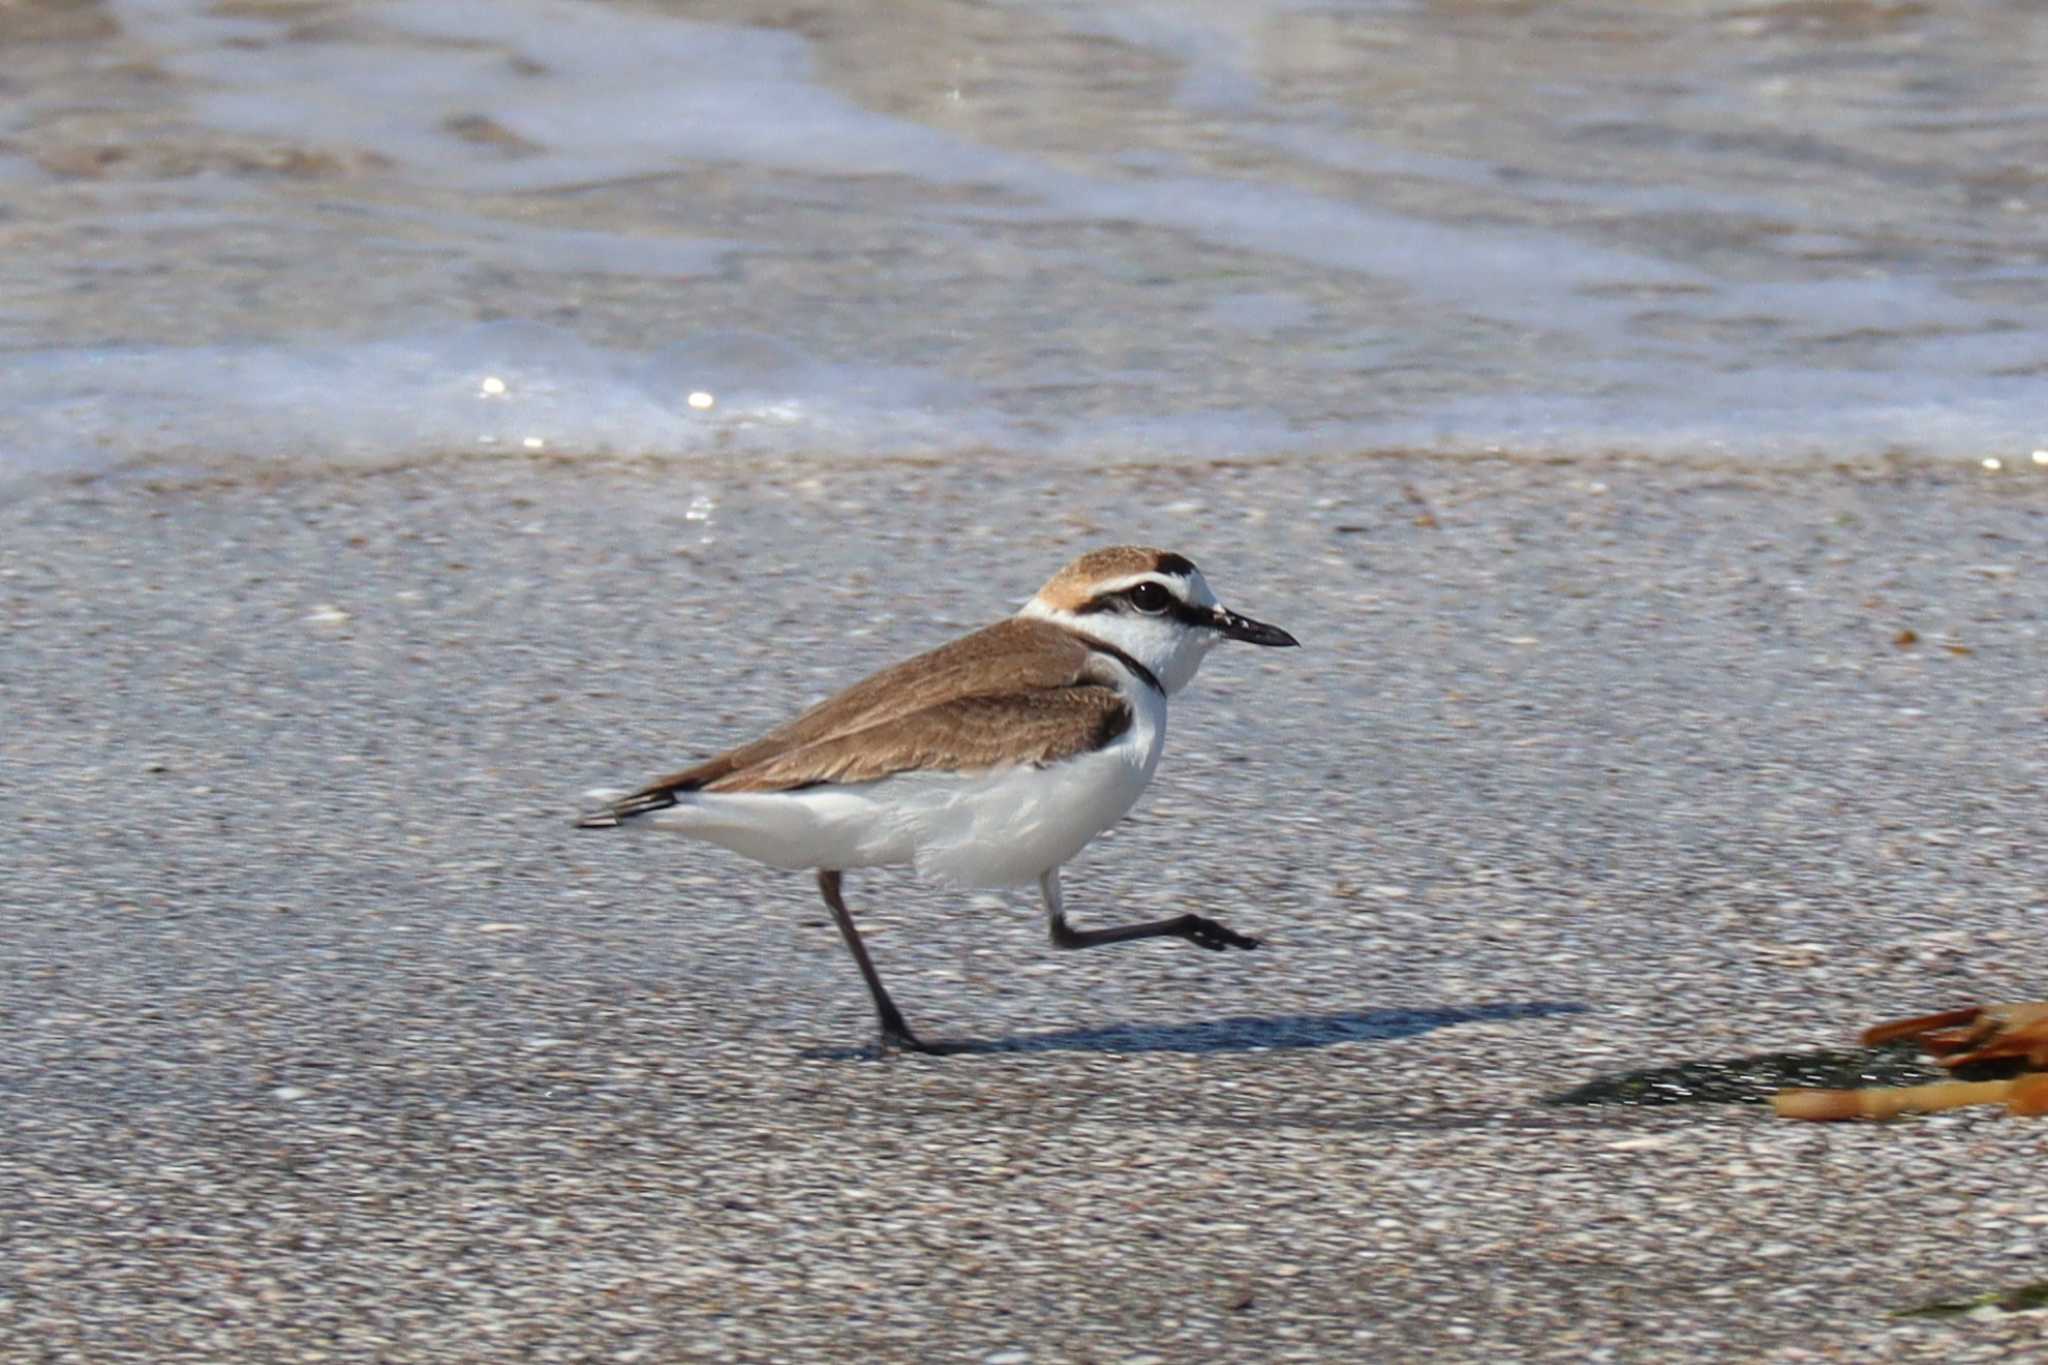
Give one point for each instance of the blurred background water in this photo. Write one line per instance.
(332, 230)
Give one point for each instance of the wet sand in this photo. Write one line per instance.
(327, 1037)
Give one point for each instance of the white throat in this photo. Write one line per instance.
(1170, 651)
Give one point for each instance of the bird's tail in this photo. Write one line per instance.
(618, 808)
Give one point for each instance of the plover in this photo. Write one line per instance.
(990, 761)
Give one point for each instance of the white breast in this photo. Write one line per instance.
(1007, 827)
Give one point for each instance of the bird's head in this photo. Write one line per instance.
(1152, 604)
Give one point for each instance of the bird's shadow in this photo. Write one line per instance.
(1240, 1033)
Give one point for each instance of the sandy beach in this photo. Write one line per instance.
(327, 1037)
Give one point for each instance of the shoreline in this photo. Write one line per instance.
(2022, 471)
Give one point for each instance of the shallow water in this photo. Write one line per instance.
(1158, 229)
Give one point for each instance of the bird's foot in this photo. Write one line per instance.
(1207, 933)
(897, 1037)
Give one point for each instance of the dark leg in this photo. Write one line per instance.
(1203, 933)
(895, 1033)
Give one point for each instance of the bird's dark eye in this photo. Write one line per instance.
(1150, 598)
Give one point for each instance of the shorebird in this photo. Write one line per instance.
(989, 761)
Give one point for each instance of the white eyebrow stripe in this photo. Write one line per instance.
(1173, 583)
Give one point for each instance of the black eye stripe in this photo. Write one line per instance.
(1187, 613)
(1113, 601)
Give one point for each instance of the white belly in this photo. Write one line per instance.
(997, 828)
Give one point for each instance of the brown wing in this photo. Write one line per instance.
(969, 734)
(1012, 658)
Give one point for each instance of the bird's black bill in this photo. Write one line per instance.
(1251, 632)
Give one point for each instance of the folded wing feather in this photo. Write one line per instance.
(1020, 691)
